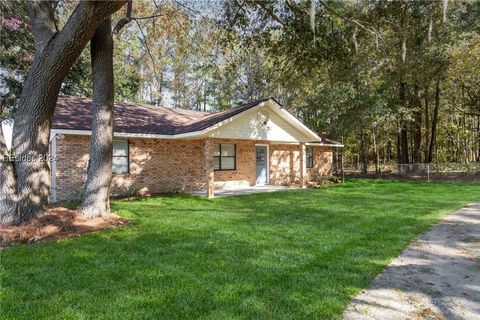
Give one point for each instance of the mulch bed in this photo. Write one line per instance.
(57, 223)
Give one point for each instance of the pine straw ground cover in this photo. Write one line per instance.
(299, 254)
(57, 223)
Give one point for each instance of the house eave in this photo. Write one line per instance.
(294, 121)
(131, 135)
(189, 135)
(333, 145)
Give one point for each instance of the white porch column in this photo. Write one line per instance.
(209, 170)
(303, 166)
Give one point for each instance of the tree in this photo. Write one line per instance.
(95, 201)
(380, 74)
(55, 53)
(388, 70)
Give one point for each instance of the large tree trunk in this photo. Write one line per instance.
(427, 123)
(433, 136)
(404, 143)
(55, 54)
(7, 185)
(404, 158)
(478, 139)
(363, 150)
(399, 148)
(417, 128)
(96, 193)
(375, 150)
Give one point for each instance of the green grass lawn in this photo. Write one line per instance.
(298, 254)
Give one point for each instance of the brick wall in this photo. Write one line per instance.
(158, 166)
(245, 165)
(284, 164)
(72, 161)
(322, 163)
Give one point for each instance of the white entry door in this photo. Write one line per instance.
(261, 164)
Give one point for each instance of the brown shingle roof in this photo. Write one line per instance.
(327, 141)
(76, 114)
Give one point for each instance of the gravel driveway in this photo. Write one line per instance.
(436, 277)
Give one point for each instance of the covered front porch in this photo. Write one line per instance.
(235, 166)
(261, 148)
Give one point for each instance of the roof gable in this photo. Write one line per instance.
(277, 127)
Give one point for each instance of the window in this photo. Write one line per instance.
(309, 156)
(120, 156)
(224, 156)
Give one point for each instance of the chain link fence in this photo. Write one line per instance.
(453, 172)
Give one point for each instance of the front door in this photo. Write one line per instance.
(262, 163)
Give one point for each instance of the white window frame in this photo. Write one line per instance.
(127, 156)
(220, 157)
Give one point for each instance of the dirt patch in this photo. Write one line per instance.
(435, 278)
(57, 223)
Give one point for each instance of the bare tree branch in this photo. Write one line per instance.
(294, 8)
(270, 12)
(149, 17)
(240, 7)
(468, 113)
(369, 29)
(125, 20)
(144, 38)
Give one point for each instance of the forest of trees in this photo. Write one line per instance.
(396, 81)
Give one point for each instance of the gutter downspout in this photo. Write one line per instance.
(53, 164)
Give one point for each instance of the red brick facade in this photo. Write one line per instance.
(322, 163)
(158, 166)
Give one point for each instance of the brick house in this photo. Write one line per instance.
(160, 150)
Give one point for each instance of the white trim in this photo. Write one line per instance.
(268, 163)
(53, 165)
(7, 129)
(295, 121)
(319, 144)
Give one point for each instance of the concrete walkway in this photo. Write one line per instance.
(236, 191)
(436, 277)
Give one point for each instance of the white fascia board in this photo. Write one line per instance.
(294, 121)
(285, 143)
(324, 144)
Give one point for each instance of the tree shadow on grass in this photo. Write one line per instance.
(282, 256)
